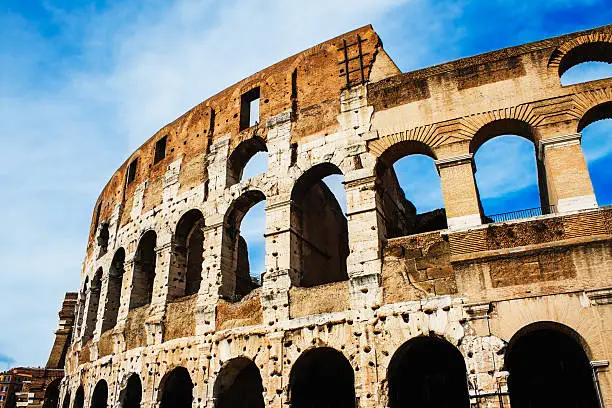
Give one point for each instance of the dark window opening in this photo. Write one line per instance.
(99, 398)
(131, 395)
(97, 218)
(238, 279)
(189, 247)
(428, 372)
(321, 228)
(79, 398)
(52, 394)
(249, 109)
(113, 294)
(131, 171)
(239, 385)
(144, 271)
(548, 367)
(160, 149)
(66, 403)
(294, 84)
(176, 389)
(322, 377)
(103, 239)
(408, 169)
(251, 153)
(92, 307)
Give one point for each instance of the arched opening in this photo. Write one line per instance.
(510, 179)
(99, 399)
(144, 271)
(238, 278)
(586, 62)
(428, 372)
(548, 367)
(320, 228)
(188, 250)
(103, 239)
(320, 378)
(66, 402)
(176, 389)
(407, 169)
(80, 312)
(131, 395)
(239, 385)
(113, 294)
(596, 128)
(92, 306)
(52, 394)
(79, 398)
(242, 155)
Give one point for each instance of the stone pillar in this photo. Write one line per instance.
(155, 321)
(208, 295)
(101, 306)
(459, 191)
(366, 233)
(91, 313)
(567, 177)
(124, 308)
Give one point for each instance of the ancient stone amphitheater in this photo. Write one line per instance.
(375, 307)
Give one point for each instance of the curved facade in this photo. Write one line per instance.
(377, 307)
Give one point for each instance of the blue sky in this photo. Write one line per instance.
(83, 83)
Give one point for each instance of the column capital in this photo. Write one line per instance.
(455, 160)
(562, 140)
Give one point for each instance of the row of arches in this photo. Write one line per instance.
(547, 364)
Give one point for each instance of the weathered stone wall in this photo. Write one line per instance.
(343, 107)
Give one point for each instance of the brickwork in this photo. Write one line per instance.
(367, 294)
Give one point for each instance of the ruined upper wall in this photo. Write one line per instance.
(306, 84)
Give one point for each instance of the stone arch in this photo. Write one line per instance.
(322, 377)
(144, 270)
(598, 112)
(318, 254)
(131, 395)
(400, 214)
(188, 250)
(241, 155)
(589, 47)
(99, 398)
(176, 389)
(239, 383)
(52, 394)
(113, 292)
(79, 397)
(236, 280)
(427, 371)
(548, 366)
(92, 306)
(512, 127)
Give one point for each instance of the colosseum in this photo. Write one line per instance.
(375, 306)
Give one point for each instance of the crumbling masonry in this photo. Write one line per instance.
(381, 307)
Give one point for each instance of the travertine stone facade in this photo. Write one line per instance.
(369, 309)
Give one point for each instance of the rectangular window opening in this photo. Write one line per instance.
(249, 109)
(131, 171)
(160, 149)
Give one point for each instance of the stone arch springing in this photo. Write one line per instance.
(176, 389)
(92, 305)
(322, 377)
(79, 398)
(596, 127)
(427, 371)
(239, 384)
(548, 366)
(188, 249)
(131, 395)
(508, 132)
(99, 398)
(236, 279)
(241, 155)
(319, 245)
(144, 271)
(400, 215)
(52, 394)
(113, 293)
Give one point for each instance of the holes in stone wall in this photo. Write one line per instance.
(321, 228)
(322, 377)
(239, 385)
(428, 372)
(144, 271)
(249, 108)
